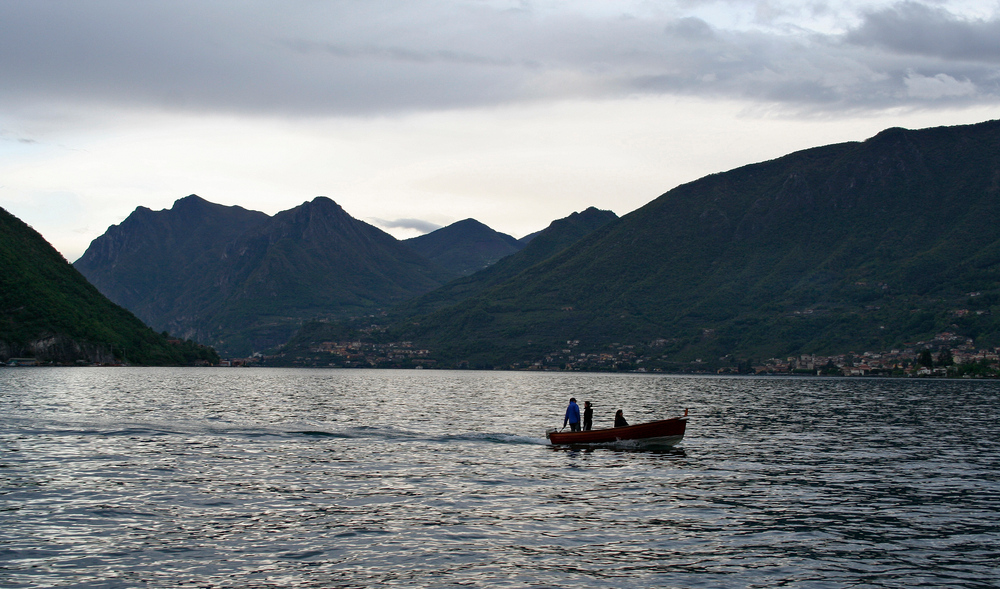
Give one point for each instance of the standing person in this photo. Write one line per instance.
(588, 416)
(572, 416)
(620, 419)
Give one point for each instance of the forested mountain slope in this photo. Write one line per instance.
(48, 311)
(854, 246)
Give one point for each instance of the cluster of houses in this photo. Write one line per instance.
(617, 357)
(353, 354)
(945, 355)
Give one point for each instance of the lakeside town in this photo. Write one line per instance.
(947, 355)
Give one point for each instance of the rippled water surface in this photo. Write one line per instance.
(133, 477)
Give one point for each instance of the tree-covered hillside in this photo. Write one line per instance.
(49, 312)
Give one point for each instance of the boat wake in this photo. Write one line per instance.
(196, 428)
(500, 438)
(402, 435)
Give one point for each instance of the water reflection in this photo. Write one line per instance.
(672, 452)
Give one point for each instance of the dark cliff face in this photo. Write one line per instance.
(143, 263)
(118, 240)
(192, 226)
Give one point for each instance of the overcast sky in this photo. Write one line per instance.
(416, 114)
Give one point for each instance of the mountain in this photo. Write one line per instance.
(527, 238)
(464, 247)
(243, 281)
(559, 235)
(313, 261)
(855, 246)
(48, 311)
(147, 263)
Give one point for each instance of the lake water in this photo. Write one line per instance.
(150, 477)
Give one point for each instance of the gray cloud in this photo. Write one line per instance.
(910, 28)
(690, 28)
(418, 224)
(385, 56)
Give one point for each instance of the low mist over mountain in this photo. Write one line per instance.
(50, 313)
(464, 247)
(849, 247)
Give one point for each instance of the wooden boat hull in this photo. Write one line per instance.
(667, 432)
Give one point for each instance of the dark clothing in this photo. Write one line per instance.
(572, 417)
(588, 418)
(620, 420)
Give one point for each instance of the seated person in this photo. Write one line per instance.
(620, 419)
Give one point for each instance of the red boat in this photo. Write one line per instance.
(667, 432)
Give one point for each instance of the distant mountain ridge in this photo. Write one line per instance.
(244, 281)
(312, 261)
(559, 235)
(50, 313)
(464, 247)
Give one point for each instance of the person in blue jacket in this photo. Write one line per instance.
(572, 416)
